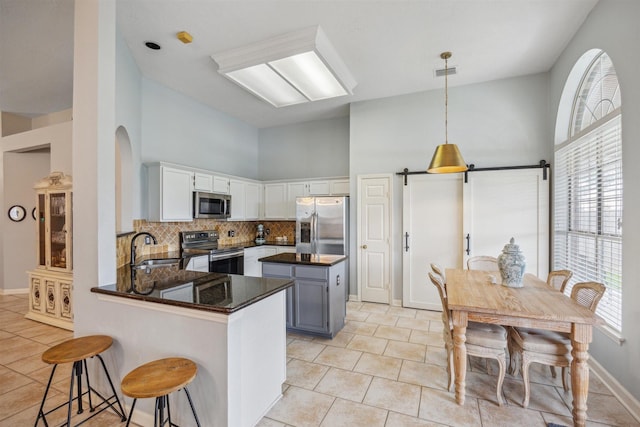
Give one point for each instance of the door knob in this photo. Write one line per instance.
(364, 246)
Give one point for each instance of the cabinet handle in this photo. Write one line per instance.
(406, 242)
(468, 240)
(364, 246)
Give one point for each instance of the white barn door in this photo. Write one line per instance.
(432, 232)
(439, 211)
(502, 204)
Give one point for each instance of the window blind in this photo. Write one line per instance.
(588, 212)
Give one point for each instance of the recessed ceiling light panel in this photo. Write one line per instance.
(265, 83)
(304, 60)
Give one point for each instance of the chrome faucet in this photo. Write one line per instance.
(133, 245)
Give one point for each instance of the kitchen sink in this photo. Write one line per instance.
(156, 262)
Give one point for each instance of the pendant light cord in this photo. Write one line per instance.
(446, 100)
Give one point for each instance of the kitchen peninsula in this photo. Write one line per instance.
(316, 304)
(232, 326)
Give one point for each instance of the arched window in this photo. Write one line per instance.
(588, 182)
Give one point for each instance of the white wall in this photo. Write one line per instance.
(613, 26)
(305, 150)
(498, 123)
(129, 116)
(181, 130)
(21, 171)
(55, 138)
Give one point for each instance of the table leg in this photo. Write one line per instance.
(460, 353)
(581, 336)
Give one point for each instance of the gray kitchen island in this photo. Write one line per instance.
(316, 304)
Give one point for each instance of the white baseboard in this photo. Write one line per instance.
(628, 401)
(354, 298)
(20, 291)
(396, 303)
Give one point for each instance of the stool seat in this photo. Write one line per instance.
(77, 349)
(159, 378)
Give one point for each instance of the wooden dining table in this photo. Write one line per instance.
(472, 296)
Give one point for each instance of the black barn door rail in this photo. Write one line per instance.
(543, 164)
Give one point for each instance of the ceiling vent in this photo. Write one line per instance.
(440, 72)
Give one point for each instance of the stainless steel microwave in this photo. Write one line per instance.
(210, 205)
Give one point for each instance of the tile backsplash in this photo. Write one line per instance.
(166, 233)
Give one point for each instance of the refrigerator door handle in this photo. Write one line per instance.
(314, 232)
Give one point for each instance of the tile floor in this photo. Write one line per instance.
(385, 368)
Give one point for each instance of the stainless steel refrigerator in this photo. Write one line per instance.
(322, 225)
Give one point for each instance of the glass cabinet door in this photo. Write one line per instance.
(58, 229)
(42, 237)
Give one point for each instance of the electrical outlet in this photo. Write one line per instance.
(267, 231)
(231, 233)
(147, 240)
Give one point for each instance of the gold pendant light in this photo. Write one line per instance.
(447, 157)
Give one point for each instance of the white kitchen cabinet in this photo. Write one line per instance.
(275, 201)
(339, 187)
(252, 201)
(238, 199)
(318, 188)
(253, 267)
(220, 185)
(203, 182)
(246, 199)
(198, 263)
(170, 193)
(294, 190)
(285, 249)
(210, 183)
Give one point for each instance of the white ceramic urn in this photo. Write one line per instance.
(511, 264)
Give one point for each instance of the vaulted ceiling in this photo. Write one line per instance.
(391, 47)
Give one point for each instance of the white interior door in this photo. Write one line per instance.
(502, 204)
(374, 250)
(432, 232)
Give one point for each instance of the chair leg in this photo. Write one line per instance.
(450, 371)
(565, 379)
(502, 364)
(525, 380)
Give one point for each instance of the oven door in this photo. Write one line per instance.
(231, 262)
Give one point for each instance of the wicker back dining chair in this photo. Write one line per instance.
(483, 262)
(550, 347)
(558, 279)
(482, 340)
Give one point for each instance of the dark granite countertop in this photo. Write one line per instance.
(305, 259)
(170, 284)
(251, 244)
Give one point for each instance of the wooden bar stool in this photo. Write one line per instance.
(158, 379)
(78, 350)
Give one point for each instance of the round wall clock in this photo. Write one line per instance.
(17, 213)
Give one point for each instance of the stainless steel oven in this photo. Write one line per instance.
(227, 260)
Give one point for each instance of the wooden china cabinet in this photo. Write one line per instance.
(51, 282)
